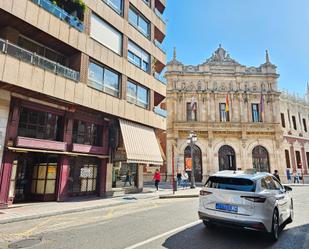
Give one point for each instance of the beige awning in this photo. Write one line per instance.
(140, 143)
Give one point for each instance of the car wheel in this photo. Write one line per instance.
(209, 224)
(291, 217)
(275, 226)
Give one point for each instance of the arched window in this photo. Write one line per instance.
(227, 159)
(260, 159)
(197, 162)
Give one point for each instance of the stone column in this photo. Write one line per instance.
(140, 178)
(109, 177)
(5, 99)
(293, 159)
(304, 161)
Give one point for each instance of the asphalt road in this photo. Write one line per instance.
(150, 224)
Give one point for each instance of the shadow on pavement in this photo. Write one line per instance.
(199, 237)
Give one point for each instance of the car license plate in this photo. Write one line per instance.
(227, 207)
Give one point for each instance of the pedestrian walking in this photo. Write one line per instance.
(276, 174)
(295, 176)
(157, 178)
(184, 179)
(288, 175)
(128, 178)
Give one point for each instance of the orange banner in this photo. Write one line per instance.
(188, 164)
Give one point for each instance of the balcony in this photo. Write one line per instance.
(159, 46)
(42, 62)
(159, 111)
(158, 13)
(160, 78)
(60, 13)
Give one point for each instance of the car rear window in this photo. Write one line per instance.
(229, 183)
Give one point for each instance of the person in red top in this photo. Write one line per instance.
(157, 178)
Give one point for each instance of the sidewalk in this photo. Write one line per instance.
(36, 210)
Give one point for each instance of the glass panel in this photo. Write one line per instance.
(50, 187)
(133, 18)
(35, 172)
(40, 187)
(237, 184)
(95, 172)
(131, 92)
(42, 172)
(51, 172)
(111, 82)
(90, 185)
(96, 76)
(83, 187)
(144, 26)
(142, 97)
(115, 4)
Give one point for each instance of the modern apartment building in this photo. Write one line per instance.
(79, 96)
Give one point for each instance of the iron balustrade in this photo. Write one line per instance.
(159, 111)
(40, 61)
(60, 13)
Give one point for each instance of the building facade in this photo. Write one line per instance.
(79, 96)
(235, 111)
(294, 114)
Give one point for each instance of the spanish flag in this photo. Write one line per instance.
(227, 103)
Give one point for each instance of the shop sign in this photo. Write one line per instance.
(85, 172)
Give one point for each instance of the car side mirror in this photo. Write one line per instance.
(287, 188)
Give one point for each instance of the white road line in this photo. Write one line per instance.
(163, 234)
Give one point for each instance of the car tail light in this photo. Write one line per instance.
(204, 192)
(254, 198)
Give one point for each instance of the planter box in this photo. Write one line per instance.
(83, 148)
(40, 144)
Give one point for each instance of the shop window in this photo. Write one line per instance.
(255, 113)
(282, 120)
(83, 175)
(41, 125)
(44, 175)
(224, 114)
(287, 159)
(294, 123)
(87, 133)
(137, 94)
(104, 79)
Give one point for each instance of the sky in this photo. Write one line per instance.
(245, 28)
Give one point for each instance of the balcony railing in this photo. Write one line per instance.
(60, 13)
(160, 78)
(33, 58)
(159, 111)
(159, 45)
(158, 13)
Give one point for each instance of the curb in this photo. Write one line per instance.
(69, 211)
(178, 196)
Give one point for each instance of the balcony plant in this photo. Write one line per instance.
(73, 7)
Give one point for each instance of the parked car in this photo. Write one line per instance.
(254, 201)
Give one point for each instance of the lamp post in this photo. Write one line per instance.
(191, 140)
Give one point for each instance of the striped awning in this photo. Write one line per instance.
(140, 143)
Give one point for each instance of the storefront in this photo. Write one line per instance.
(52, 154)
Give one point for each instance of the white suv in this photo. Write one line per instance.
(251, 201)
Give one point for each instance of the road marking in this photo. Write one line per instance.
(164, 234)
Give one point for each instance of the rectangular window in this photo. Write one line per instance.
(138, 21)
(104, 33)
(224, 116)
(255, 113)
(282, 120)
(137, 94)
(87, 133)
(191, 111)
(40, 125)
(287, 159)
(294, 123)
(298, 159)
(115, 5)
(138, 57)
(104, 79)
(147, 2)
(304, 125)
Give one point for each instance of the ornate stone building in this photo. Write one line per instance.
(234, 109)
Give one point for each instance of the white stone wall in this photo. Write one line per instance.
(5, 99)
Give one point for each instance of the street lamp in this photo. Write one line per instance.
(191, 140)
